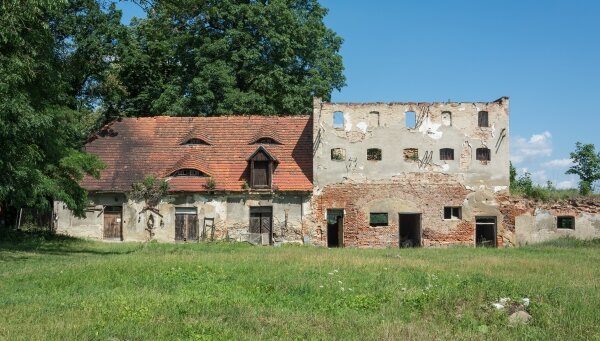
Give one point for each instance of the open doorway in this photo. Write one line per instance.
(335, 228)
(485, 231)
(409, 229)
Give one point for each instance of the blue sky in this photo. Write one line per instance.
(544, 55)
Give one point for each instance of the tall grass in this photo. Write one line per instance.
(70, 289)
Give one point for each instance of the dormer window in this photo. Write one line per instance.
(262, 165)
(266, 140)
(194, 141)
(188, 172)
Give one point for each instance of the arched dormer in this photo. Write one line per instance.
(196, 141)
(196, 136)
(188, 172)
(266, 134)
(189, 165)
(262, 164)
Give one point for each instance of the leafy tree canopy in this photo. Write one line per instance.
(194, 58)
(586, 164)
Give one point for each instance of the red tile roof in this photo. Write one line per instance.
(132, 148)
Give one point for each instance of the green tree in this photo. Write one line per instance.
(586, 164)
(53, 56)
(194, 58)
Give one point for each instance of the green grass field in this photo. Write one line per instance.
(68, 289)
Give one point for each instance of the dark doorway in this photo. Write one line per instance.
(186, 224)
(261, 222)
(409, 229)
(113, 220)
(335, 228)
(485, 231)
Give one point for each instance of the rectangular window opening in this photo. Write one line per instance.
(374, 119)
(451, 212)
(378, 219)
(338, 154)
(410, 119)
(374, 154)
(482, 118)
(565, 222)
(411, 154)
(447, 154)
(447, 118)
(338, 120)
(483, 154)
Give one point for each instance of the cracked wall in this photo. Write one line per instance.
(412, 176)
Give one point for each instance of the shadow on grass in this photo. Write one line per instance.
(45, 242)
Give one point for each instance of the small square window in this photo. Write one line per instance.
(565, 222)
(446, 154)
(411, 154)
(452, 212)
(374, 154)
(483, 154)
(338, 154)
(378, 219)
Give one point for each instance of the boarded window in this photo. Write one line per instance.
(452, 212)
(446, 154)
(565, 222)
(188, 172)
(378, 219)
(483, 119)
(374, 154)
(410, 119)
(483, 154)
(447, 118)
(411, 154)
(338, 154)
(338, 120)
(374, 119)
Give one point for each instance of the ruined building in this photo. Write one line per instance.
(347, 175)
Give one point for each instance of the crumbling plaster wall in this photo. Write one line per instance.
(395, 185)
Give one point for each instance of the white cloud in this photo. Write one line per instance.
(558, 163)
(566, 184)
(537, 145)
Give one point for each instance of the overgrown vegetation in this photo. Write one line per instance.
(59, 288)
(151, 190)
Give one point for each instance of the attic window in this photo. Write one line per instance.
(266, 140)
(338, 120)
(482, 119)
(338, 154)
(483, 154)
(194, 140)
(374, 154)
(565, 222)
(410, 119)
(446, 154)
(188, 172)
(262, 166)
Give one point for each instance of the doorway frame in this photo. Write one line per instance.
(420, 220)
(341, 234)
(495, 224)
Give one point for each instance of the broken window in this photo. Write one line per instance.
(378, 219)
(338, 120)
(410, 119)
(374, 154)
(446, 154)
(411, 154)
(452, 212)
(374, 119)
(483, 154)
(196, 141)
(565, 222)
(483, 119)
(188, 172)
(338, 154)
(447, 118)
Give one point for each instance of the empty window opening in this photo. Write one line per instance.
(483, 154)
(338, 120)
(409, 230)
(335, 228)
(374, 119)
(446, 154)
(482, 118)
(452, 212)
(378, 219)
(374, 154)
(188, 172)
(485, 231)
(447, 118)
(261, 225)
(193, 141)
(186, 223)
(338, 154)
(411, 154)
(410, 119)
(565, 222)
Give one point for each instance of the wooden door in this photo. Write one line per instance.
(192, 227)
(186, 227)
(261, 221)
(113, 223)
(180, 222)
